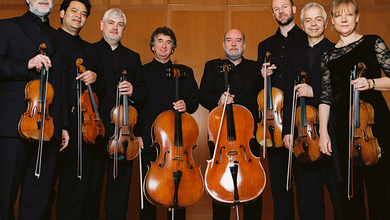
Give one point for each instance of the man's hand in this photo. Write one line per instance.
(65, 140)
(270, 69)
(304, 90)
(230, 99)
(180, 106)
(126, 88)
(38, 61)
(88, 77)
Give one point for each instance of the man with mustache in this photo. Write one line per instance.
(115, 59)
(20, 38)
(213, 94)
(311, 175)
(287, 39)
(78, 197)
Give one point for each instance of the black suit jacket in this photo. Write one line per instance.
(212, 86)
(300, 63)
(129, 61)
(161, 95)
(20, 40)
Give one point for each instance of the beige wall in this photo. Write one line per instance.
(199, 26)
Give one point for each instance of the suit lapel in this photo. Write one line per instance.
(30, 30)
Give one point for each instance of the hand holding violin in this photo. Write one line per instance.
(88, 77)
(125, 88)
(304, 90)
(270, 69)
(38, 61)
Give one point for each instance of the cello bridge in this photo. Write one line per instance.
(178, 158)
(232, 153)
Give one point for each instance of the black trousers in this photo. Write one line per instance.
(149, 210)
(80, 199)
(118, 190)
(310, 180)
(17, 167)
(283, 199)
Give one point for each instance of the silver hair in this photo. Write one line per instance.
(115, 12)
(312, 5)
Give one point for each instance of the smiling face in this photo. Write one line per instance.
(283, 11)
(345, 20)
(40, 8)
(162, 48)
(313, 22)
(113, 28)
(74, 18)
(234, 44)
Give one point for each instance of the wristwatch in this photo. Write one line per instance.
(373, 84)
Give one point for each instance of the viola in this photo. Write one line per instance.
(270, 101)
(174, 180)
(234, 175)
(123, 145)
(364, 149)
(36, 123)
(93, 127)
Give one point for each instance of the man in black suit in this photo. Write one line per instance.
(78, 197)
(287, 39)
(212, 94)
(20, 38)
(115, 59)
(311, 176)
(161, 96)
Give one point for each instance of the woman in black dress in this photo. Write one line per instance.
(336, 65)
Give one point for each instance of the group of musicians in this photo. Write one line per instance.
(151, 92)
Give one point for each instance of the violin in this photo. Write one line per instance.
(174, 180)
(123, 145)
(364, 149)
(92, 125)
(306, 148)
(36, 123)
(234, 175)
(270, 101)
(305, 118)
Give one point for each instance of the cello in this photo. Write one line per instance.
(36, 123)
(305, 118)
(123, 145)
(364, 149)
(270, 101)
(174, 180)
(234, 175)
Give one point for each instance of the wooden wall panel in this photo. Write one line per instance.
(138, 2)
(198, 2)
(199, 36)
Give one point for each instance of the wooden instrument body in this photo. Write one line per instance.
(218, 178)
(92, 125)
(125, 137)
(306, 148)
(273, 117)
(28, 124)
(365, 145)
(159, 185)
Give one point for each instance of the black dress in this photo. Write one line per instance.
(336, 66)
